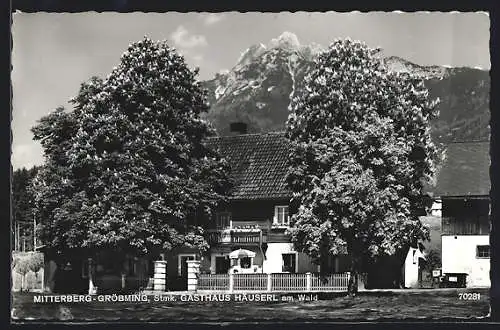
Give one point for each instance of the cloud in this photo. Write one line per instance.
(182, 38)
(212, 18)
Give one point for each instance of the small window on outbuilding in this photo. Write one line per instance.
(483, 251)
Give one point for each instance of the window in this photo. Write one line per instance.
(289, 262)
(483, 251)
(245, 262)
(281, 217)
(223, 220)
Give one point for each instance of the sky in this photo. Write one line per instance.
(53, 53)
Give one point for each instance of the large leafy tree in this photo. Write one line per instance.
(361, 151)
(128, 169)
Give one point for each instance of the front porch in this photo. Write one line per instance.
(248, 237)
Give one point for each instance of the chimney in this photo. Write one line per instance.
(238, 128)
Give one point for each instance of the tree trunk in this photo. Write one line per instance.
(355, 253)
(323, 266)
(352, 288)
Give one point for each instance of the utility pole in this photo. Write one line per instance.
(34, 232)
(15, 236)
(18, 242)
(13, 233)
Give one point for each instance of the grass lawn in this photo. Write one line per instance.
(399, 305)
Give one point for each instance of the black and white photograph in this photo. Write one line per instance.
(250, 166)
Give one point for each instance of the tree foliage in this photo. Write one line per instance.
(22, 202)
(361, 150)
(128, 168)
(433, 260)
(36, 262)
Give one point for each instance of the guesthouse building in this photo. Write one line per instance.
(462, 191)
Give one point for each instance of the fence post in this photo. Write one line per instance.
(269, 282)
(160, 275)
(193, 269)
(308, 281)
(43, 278)
(231, 282)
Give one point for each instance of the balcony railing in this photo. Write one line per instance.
(237, 236)
(478, 225)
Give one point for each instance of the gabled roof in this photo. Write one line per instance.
(258, 164)
(465, 170)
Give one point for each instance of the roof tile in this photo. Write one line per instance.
(258, 164)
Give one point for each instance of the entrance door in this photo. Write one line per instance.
(183, 269)
(221, 265)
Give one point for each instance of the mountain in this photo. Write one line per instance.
(464, 99)
(258, 90)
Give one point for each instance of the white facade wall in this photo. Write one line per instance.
(274, 261)
(411, 268)
(459, 256)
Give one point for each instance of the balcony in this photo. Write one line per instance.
(242, 236)
(476, 225)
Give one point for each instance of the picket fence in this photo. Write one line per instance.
(277, 282)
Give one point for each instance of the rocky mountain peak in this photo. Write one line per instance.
(287, 43)
(259, 88)
(287, 40)
(398, 64)
(250, 54)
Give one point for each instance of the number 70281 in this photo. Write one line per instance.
(469, 296)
